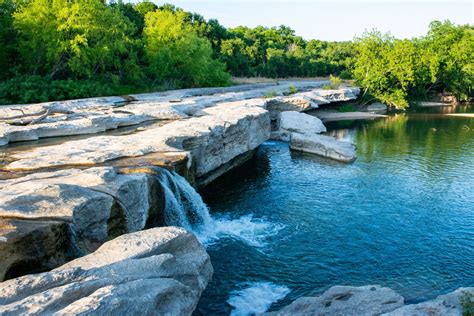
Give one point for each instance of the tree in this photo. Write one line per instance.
(177, 54)
(83, 39)
(7, 37)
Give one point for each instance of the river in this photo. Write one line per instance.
(401, 216)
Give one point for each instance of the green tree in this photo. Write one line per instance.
(177, 55)
(83, 39)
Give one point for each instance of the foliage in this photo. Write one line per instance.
(467, 303)
(30, 89)
(293, 90)
(270, 94)
(394, 70)
(335, 82)
(47, 44)
(176, 53)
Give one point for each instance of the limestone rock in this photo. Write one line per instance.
(345, 300)
(322, 145)
(292, 121)
(444, 305)
(160, 271)
(61, 212)
(333, 116)
(228, 130)
(32, 246)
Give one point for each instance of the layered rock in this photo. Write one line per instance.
(375, 300)
(53, 216)
(334, 116)
(226, 131)
(160, 271)
(89, 116)
(325, 146)
(295, 122)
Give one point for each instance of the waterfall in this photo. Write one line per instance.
(184, 207)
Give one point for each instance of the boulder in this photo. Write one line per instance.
(457, 303)
(49, 217)
(322, 145)
(292, 121)
(32, 246)
(345, 300)
(161, 271)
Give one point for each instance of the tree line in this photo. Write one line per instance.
(62, 49)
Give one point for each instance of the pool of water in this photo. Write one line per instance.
(401, 216)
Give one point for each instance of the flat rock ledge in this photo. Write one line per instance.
(161, 271)
(376, 300)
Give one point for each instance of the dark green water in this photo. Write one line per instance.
(401, 216)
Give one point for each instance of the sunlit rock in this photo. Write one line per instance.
(160, 271)
(345, 300)
(292, 121)
(322, 145)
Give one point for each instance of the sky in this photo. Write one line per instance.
(334, 20)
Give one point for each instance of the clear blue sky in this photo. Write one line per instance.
(333, 19)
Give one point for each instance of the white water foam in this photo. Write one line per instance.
(256, 298)
(185, 208)
(253, 232)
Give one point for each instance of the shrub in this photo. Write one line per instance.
(270, 94)
(30, 89)
(345, 74)
(335, 82)
(467, 303)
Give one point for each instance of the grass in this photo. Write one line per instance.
(270, 94)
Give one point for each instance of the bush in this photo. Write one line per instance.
(335, 82)
(345, 74)
(467, 303)
(30, 89)
(270, 94)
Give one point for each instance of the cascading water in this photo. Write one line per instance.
(184, 207)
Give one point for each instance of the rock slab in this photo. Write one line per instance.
(161, 271)
(347, 301)
(293, 121)
(322, 145)
(371, 300)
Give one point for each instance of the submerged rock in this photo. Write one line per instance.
(160, 271)
(322, 145)
(345, 300)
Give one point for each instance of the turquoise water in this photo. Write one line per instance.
(401, 216)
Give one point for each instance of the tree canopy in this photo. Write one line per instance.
(55, 49)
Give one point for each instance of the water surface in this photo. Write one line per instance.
(401, 216)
